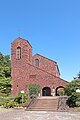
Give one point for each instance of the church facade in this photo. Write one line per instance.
(27, 69)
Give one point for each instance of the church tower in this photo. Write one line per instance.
(21, 56)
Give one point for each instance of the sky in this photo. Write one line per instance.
(51, 26)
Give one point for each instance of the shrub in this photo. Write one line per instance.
(70, 90)
(78, 105)
(19, 98)
(10, 104)
(33, 90)
(71, 102)
(2, 101)
(60, 92)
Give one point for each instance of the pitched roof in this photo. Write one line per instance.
(21, 39)
(45, 57)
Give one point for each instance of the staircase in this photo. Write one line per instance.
(44, 104)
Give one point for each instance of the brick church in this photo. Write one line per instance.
(27, 69)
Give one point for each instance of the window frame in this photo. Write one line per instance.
(37, 62)
(18, 53)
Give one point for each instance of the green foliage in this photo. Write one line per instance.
(78, 105)
(5, 74)
(19, 98)
(71, 87)
(5, 101)
(2, 101)
(70, 90)
(78, 76)
(10, 104)
(9, 101)
(72, 100)
(60, 92)
(33, 89)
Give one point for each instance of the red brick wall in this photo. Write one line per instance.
(24, 71)
(19, 66)
(46, 64)
(26, 51)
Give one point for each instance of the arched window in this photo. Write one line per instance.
(36, 62)
(18, 53)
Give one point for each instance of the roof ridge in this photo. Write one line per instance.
(46, 72)
(21, 39)
(45, 57)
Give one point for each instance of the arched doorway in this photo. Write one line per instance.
(60, 91)
(46, 91)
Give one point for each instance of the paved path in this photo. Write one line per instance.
(38, 115)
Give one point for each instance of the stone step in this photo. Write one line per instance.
(48, 103)
(42, 109)
(44, 104)
(48, 97)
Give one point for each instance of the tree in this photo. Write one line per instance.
(33, 89)
(5, 74)
(70, 90)
(77, 77)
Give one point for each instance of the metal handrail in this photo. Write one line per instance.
(31, 102)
